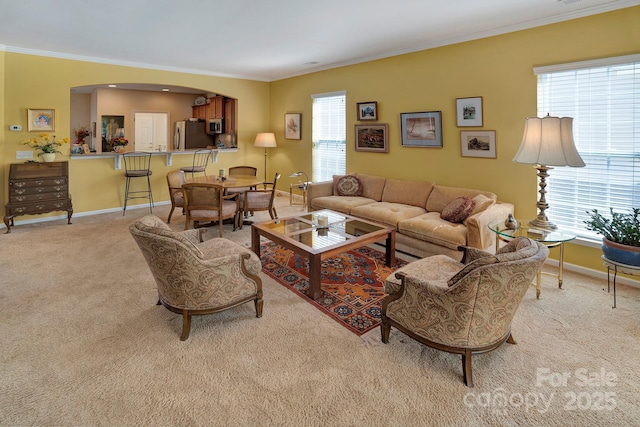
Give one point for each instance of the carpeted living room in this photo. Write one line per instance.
(417, 129)
(84, 343)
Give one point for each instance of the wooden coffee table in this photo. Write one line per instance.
(301, 234)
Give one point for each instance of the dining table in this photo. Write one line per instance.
(230, 182)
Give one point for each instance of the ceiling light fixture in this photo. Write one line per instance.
(113, 86)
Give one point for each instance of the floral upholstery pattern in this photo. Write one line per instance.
(195, 277)
(471, 315)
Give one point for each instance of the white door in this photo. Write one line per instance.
(151, 131)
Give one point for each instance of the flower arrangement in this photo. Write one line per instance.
(81, 133)
(46, 144)
(119, 142)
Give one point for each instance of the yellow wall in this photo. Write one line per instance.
(497, 68)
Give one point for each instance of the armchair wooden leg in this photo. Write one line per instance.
(385, 329)
(466, 368)
(510, 340)
(186, 325)
(258, 303)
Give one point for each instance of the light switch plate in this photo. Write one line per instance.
(15, 128)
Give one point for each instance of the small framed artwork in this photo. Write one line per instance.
(86, 149)
(368, 110)
(421, 129)
(292, 126)
(41, 119)
(372, 137)
(478, 143)
(469, 111)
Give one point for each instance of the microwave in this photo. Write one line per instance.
(215, 126)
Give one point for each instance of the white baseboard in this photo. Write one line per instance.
(81, 214)
(595, 273)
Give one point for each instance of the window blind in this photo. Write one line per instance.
(603, 97)
(329, 135)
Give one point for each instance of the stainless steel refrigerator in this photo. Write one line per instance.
(189, 135)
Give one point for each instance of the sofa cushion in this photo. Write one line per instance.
(442, 195)
(349, 185)
(336, 178)
(372, 186)
(458, 209)
(342, 204)
(433, 229)
(414, 193)
(387, 213)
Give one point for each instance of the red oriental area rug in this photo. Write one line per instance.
(352, 282)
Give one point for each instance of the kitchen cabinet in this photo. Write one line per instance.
(200, 111)
(37, 188)
(229, 115)
(216, 109)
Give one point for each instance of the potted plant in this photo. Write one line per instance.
(48, 146)
(621, 235)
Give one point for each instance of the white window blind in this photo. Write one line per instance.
(329, 135)
(603, 97)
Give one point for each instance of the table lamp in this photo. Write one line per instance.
(266, 140)
(547, 141)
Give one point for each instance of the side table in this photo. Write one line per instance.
(549, 238)
(302, 187)
(617, 267)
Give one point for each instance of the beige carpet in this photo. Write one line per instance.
(83, 344)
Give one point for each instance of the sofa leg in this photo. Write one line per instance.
(510, 340)
(186, 325)
(466, 368)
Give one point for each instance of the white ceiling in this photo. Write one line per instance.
(265, 39)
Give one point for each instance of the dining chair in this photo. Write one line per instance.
(206, 201)
(200, 162)
(261, 200)
(243, 170)
(175, 181)
(137, 164)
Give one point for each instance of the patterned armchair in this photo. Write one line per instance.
(463, 308)
(196, 277)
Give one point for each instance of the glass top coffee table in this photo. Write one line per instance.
(549, 238)
(303, 235)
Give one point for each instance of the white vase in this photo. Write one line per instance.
(48, 157)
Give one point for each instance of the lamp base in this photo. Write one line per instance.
(543, 223)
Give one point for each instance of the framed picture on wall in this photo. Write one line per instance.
(373, 137)
(367, 110)
(421, 129)
(478, 143)
(41, 119)
(469, 111)
(292, 126)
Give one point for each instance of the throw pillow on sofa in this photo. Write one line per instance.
(349, 185)
(458, 209)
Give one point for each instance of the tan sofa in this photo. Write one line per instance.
(414, 208)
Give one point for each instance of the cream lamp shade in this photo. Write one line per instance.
(547, 141)
(266, 140)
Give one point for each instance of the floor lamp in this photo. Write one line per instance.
(266, 140)
(547, 141)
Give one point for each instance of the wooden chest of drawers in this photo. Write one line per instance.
(37, 188)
